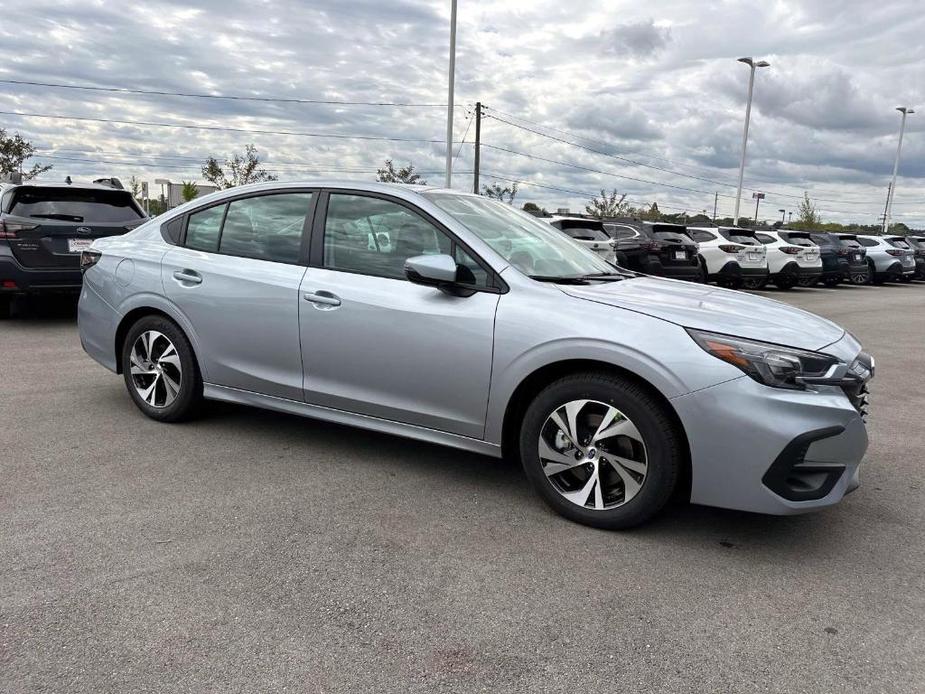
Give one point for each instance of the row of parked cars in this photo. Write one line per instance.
(737, 258)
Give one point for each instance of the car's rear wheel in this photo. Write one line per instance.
(831, 281)
(600, 450)
(160, 370)
(785, 281)
(807, 281)
(755, 282)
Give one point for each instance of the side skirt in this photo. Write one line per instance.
(328, 414)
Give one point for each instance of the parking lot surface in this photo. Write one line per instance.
(258, 552)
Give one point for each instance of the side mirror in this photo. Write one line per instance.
(438, 271)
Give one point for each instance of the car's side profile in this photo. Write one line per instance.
(841, 261)
(731, 257)
(792, 258)
(887, 261)
(655, 248)
(459, 320)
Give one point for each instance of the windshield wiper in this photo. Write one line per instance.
(609, 276)
(560, 279)
(58, 215)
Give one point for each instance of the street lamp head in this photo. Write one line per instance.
(752, 64)
(905, 109)
(747, 61)
(762, 63)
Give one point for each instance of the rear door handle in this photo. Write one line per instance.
(322, 298)
(189, 276)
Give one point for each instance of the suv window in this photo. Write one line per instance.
(867, 242)
(821, 239)
(204, 227)
(737, 236)
(624, 232)
(700, 236)
(85, 205)
(587, 234)
(796, 239)
(372, 236)
(898, 243)
(267, 227)
(765, 238)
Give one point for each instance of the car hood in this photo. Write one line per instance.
(714, 309)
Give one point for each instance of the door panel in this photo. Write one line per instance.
(246, 316)
(388, 348)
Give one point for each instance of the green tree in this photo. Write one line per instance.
(189, 191)
(653, 214)
(239, 170)
(405, 174)
(497, 192)
(535, 209)
(808, 216)
(14, 151)
(608, 205)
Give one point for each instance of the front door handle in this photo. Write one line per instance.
(188, 276)
(322, 298)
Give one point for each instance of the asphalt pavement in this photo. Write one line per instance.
(257, 552)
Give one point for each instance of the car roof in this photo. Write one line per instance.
(61, 184)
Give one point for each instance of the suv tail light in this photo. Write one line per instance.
(656, 246)
(9, 230)
(842, 251)
(730, 247)
(791, 250)
(895, 251)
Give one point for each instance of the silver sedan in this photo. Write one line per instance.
(458, 320)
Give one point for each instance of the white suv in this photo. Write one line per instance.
(792, 258)
(731, 257)
(589, 233)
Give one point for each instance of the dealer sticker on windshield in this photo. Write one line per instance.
(78, 245)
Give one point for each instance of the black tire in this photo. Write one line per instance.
(6, 306)
(663, 446)
(785, 281)
(831, 282)
(755, 282)
(808, 281)
(189, 398)
(704, 275)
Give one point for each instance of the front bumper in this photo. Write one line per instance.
(760, 446)
(35, 281)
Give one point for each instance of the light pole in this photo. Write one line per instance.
(449, 101)
(783, 214)
(905, 110)
(758, 198)
(748, 114)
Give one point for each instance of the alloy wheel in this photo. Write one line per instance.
(592, 454)
(155, 369)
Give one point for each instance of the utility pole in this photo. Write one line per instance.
(789, 218)
(715, 205)
(748, 114)
(478, 142)
(889, 191)
(783, 216)
(449, 101)
(758, 198)
(905, 110)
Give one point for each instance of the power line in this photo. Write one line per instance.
(652, 166)
(184, 126)
(267, 99)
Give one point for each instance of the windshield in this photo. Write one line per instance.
(535, 248)
(75, 205)
(587, 234)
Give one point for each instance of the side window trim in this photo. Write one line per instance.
(316, 257)
(307, 228)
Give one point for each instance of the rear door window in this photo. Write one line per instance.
(204, 227)
(79, 205)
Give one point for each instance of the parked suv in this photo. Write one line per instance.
(887, 262)
(656, 249)
(45, 226)
(589, 233)
(918, 254)
(480, 327)
(792, 258)
(841, 260)
(731, 257)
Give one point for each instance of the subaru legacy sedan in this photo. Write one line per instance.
(455, 319)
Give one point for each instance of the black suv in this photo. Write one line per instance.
(917, 244)
(45, 226)
(655, 249)
(842, 261)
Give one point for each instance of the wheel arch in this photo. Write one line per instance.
(541, 377)
(140, 311)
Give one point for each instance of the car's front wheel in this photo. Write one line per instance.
(601, 450)
(160, 370)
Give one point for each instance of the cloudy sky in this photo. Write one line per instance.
(652, 88)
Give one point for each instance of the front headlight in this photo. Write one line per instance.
(772, 365)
